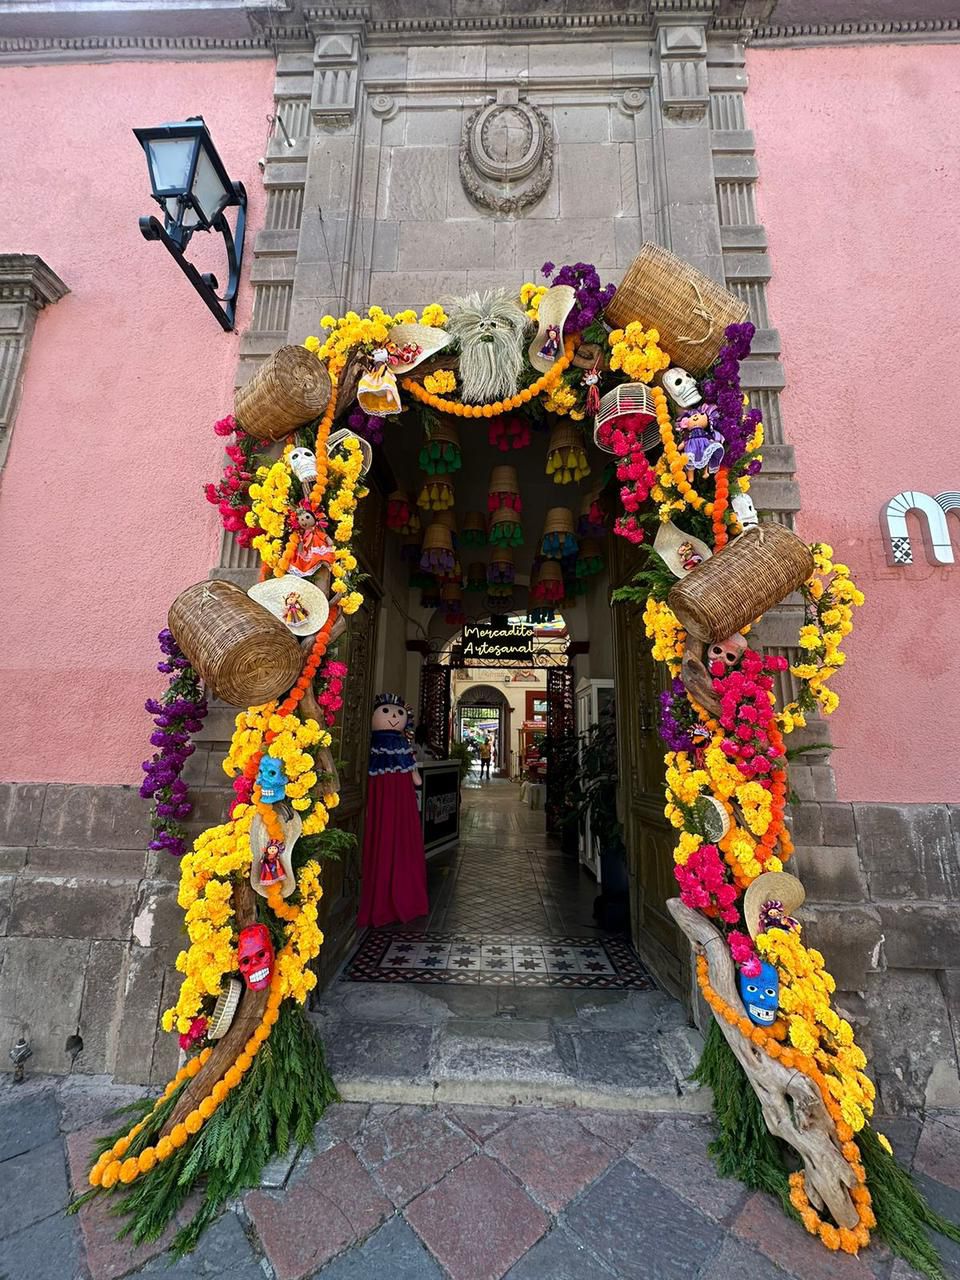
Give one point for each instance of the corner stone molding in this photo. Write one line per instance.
(336, 77)
(27, 285)
(506, 154)
(684, 88)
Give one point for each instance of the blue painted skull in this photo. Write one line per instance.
(761, 995)
(271, 780)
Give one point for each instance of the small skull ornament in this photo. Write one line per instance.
(303, 463)
(271, 780)
(761, 995)
(745, 511)
(255, 956)
(728, 651)
(681, 387)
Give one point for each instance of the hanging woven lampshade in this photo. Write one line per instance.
(591, 522)
(548, 589)
(410, 548)
(474, 529)
(559, 539)
(566, 457)
(509, 432)
(448, 519)
(505, 528)
(437, 554)
(589, 559)
(436, 494)
(627, 409)
(430, 597)
(504, 489)
(476, 576)
(501, 572)
(440, 454)
(402, 515)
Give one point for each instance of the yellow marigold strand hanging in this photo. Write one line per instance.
(546, 383)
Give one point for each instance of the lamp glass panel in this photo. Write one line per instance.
(190, 216)
(208, 190)
(170, 160)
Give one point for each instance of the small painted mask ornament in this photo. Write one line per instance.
(303, 463)
(255, 956)
(728, 651)
(745, 511)
(761, 995)
(681, 387)
(271, 780)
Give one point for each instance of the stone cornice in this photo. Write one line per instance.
(25, 277)
(919, 31)
(39, 49)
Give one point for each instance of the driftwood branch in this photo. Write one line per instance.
(697, 680)
(792, 1107)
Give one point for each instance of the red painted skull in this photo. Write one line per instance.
(255, 956)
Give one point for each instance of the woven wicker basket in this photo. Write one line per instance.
(474, 522)
(447, 518)
(437, 537)
(446, 430)
(501, 555)
(689, 310)
(559, 520)
(740, 583)
(242, 652)
(550, 571)
(288, 390)
(590, 548)
(451, 591)
(504, 515)
(504, 480)
(565, 435)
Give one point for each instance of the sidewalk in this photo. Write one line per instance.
(444, 1193)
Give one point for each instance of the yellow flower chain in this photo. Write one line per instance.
(666, 633)
(831, 598)
(270, 498)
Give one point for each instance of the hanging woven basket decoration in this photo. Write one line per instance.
(437, 557)
(474, 529)
(566, 457)
(591, 522)
(626, 419)
(402, 515)
(440, 455)
(410, 548)
(548, 588)
(501, 572)
(505, 528)
(289, 389)
(559, 540)
(504, 490)
(430, 597)
(508, 432)
(436, 495)
(477, 576)
(590, 560)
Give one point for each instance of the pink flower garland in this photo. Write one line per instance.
(704, 885)
(746, 713)
(230, 495)
(624, 441)
(332, 675)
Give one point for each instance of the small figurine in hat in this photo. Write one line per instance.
(688, 557)
(314, 548)
(394, 880)
(271, 868)
(293, 611)
(551, 343)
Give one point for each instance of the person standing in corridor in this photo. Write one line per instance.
(486, 752)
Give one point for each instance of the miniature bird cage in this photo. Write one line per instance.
(559, 537)
(566, 457)
(475, 529)
(440, 454)
(628, 408)
(504, 490)
(289, 390)
(506, 529)
(436, 556)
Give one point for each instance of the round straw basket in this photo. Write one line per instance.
(501, 555)
(590, 548)
(245, 654)
(741, 582)
(447, 519)
(289, 389)
(437, 537)
(689, 310)
(451, 591)
(559, 520)
(446, 430)
(504, 515)
(504, 480)
(565, 435)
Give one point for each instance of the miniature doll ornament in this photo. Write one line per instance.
(255, 956)
(394, 881)
(551, 343)
(314, 547)
(702, 445)
(271, 868)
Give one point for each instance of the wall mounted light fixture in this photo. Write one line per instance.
(192, 187)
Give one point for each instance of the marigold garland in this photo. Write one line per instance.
(545, 383)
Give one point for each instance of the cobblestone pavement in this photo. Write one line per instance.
(444, 1193)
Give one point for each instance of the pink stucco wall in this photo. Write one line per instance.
(859, 192)
(102, 516)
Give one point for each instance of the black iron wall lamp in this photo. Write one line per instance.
(192, 187)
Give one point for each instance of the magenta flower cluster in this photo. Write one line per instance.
(366, 425)
(722, 388)
(177, 715)
(592, 297)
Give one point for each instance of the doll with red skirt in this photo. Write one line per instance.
(394, 878)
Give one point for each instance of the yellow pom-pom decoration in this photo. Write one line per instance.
(129, 1169)
(193, 1122)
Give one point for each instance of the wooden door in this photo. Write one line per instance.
(648, 835)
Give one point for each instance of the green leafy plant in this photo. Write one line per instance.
(462, 752)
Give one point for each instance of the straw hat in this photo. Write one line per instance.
(272, 593)
(667, 545)
(555, 305)
(337, 438)
(771, 886)
(260, 838)
(224, 1009)
(427, 337)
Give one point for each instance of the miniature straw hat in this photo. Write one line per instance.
(260, 838)
(668, 542)
(771, 886)
(337, 438)
(555, 305)
(272, 593)
(224, 1009)
(427, 337)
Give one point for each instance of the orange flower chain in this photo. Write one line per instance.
(461, 410)
(720, 501)
(319, 486)
(676, 461)
(850, 1241)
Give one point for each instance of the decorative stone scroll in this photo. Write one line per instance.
(506, 154)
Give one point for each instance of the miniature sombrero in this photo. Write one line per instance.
(555, 305)
(224, 1009)
(294, 600)
(679, 550)
(426, 338)
(770, 901)
(259, 839)
(336, 438)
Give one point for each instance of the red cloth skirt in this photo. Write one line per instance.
(394, 878)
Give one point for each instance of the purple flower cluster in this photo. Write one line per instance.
(592, 299)
(366, 425)
(722, 389)
(178, 714)
(677, 717)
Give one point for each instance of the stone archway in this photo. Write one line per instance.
(488, 695)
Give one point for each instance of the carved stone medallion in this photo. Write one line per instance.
(506, 154)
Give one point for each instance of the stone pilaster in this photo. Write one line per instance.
(27, 285)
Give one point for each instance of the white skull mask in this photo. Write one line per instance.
(681, 387)
(745, 511)
(304, 464)
(728, 651)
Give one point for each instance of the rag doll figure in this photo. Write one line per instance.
(394, 879)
